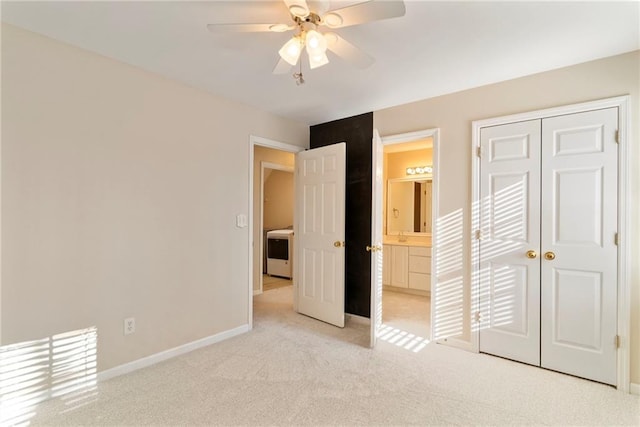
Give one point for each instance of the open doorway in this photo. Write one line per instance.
(277, 203)
(272, 212)
(406, 190)
(272, 207)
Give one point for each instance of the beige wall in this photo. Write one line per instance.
(120, 190)
(278, 200)
(269, 155)
(453, 114)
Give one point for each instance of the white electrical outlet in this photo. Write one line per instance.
(129, 325)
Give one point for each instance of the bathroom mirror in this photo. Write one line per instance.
(409, 206)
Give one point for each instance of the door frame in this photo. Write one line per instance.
(263, 166)
(269, 143)
(624, 217)
(434, 133)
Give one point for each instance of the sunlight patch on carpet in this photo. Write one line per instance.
(401, 338)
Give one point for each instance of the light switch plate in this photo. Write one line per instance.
(241, 221)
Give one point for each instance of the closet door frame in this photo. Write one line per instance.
(624, 216)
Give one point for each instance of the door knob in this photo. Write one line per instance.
(549, 256)
(374, 248)
(338, 244)
(531, 254)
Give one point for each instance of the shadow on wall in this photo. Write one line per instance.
(448, 298)
(31, 372)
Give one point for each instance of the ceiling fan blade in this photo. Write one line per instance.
(282, 67)
(347, 51)
(298, 8)
(248, 28)
(319, 7)
(372, 10)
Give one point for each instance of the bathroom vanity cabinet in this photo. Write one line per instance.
(407, 267)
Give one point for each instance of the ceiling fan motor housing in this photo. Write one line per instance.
(311, 18)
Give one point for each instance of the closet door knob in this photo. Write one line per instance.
(338, 244)
(549, 256)
(532, 254)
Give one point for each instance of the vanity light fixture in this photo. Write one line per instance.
(419, 170)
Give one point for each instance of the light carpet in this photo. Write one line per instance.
(293, 370)
(406, 312)
(274, 282)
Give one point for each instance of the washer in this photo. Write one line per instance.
(280, 253)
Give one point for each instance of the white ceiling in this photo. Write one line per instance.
(436, 48)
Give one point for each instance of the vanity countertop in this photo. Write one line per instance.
(393, 240)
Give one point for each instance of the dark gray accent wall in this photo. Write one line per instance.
(357, 132)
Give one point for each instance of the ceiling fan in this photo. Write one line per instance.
(309, 18)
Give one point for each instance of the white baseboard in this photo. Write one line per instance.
(634, 389)
(256, 292)
(358, 319)
(457, 343)
(406, 291)
(168, 354)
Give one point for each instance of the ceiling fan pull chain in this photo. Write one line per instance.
(298, 76)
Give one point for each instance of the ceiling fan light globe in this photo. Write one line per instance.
(316, 44)
(316, 61)
(291, 51)
(332, 20)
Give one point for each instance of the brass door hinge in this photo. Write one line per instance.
(616, 240)
(479, 152)
(478, 234)
(617, 136)
(616, 341)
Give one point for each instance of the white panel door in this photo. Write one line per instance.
(320, 219)
(579, 217)
(376, 239)
(510, 228)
